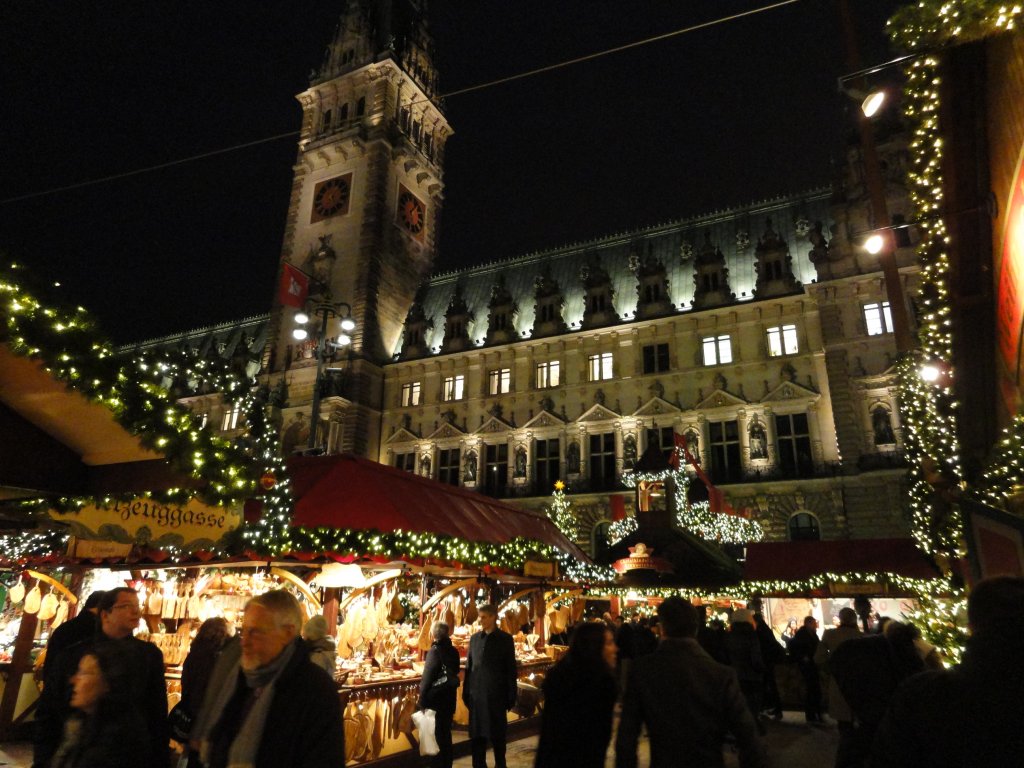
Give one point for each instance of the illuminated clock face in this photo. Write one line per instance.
(331, 197)
(412, 214)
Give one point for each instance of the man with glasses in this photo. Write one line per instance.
(119, 613)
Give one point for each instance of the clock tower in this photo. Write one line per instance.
(363, 215)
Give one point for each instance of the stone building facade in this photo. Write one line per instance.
(761, 332)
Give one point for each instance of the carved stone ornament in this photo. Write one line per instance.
(742, 240)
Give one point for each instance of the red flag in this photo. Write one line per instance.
(294, 287)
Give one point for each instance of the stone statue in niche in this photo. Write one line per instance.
(572, 458)
(321, 265)
(295, 434)
(881, 422)
(520, 465)
(425, 465)
(629, 452)
(693, 444)
(469, 471)
(758, 442)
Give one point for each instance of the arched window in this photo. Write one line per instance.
(599, 541)
(803, 526)
(361, 106)
(325, 123)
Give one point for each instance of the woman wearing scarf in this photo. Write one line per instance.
(261, 699)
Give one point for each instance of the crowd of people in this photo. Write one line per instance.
(267, 698)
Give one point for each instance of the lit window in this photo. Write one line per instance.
(547, 374)
(656, 358)
(782, 341)
(499, 381)
(878, 318)
(411, 394)
(600, 366)
(231, 418)
(717, 350)
(454, 388)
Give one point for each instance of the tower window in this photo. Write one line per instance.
(710, 281)
(652, 293)
(411, 394)
(547, 374)
(717, 349)
(782, 341)
(499, 381)
(600, 366)
(656, 358)
(598, 302)
(454, 388)
(878, 318)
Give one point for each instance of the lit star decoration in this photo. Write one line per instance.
(141, 389)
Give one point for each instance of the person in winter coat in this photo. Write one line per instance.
(118, 613)
(198, 666)
(867, 670)
(802, 649)
(490, 688)
(105, 729)
(439, 686)
(268, 704)
(579, 696)
(837, 706)
(745, 658)
(772, 653)
(968, 715)
(323, 651)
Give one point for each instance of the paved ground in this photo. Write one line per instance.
(790, 743)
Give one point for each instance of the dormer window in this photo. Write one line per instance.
(598, 303)
(343, 113)
(652, 293)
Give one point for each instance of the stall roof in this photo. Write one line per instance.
(345, 491)
(795, 560)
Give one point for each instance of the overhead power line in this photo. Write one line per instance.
(458, 92)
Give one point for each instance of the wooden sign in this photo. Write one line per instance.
(191, 525)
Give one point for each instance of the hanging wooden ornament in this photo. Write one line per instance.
(33, 599)
(17, 593)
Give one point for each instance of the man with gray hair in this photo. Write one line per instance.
(275, 707)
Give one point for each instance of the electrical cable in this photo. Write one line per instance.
(458, 92)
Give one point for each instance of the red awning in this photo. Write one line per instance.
(346, 491)
(796, 560)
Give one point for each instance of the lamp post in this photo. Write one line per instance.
(324, 310)
(879, 210)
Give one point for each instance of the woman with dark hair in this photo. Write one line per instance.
(106, 730)
(579, 695)
(210, 640)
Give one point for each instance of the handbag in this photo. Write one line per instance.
(179, 721)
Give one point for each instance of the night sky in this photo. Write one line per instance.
(715, 118)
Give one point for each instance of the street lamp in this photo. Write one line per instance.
(324, 310)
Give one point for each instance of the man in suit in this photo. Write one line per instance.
(490, 687)
(687, 700)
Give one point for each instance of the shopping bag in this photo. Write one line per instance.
(424, 720)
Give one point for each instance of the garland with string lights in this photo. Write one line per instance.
(140, 391)
(1002, 479)
(698, 518)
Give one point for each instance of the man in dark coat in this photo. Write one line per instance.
(438, 688)
(119, 612)
(687, 700)
(490, 687)
(802, 648)
(969, 715)
(83, 627)
(268, 705)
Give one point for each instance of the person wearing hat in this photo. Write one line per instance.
(745, 658)
(322, 649)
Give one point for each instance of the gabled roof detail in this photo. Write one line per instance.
(544, 419)
(656, 406)
(493, 424)
(719, 399)
(598, 413)
(403, 435)
(446, 430)
(790, 390)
